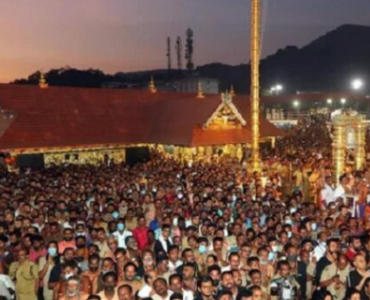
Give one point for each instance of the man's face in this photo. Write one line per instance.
(188, 272)
(109, 284)
(206, 289)
(257, 295)
(73, 287)
(176, 285)
(256, 279)
(360, 262)
(227, 281)
(68, 235)
(130, 273)
(94, 265)
(160, 287)
(234, 262)
(124, 294)
(284, 270)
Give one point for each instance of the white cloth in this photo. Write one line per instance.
(173, 266)
(327, 194)
(339, 192)
(5, 284)
(145, 291)
(122, 237)
(319, 251)
(157, 297)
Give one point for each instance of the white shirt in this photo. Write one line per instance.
(339, 192)
(319, 251)
(173, 266)
(157, 297)
(145, 291)
(122, 237)
(327, 194)
(5, 284)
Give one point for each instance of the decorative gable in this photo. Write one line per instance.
(226, 116)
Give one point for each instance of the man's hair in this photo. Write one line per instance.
(126, 286)
(130, 264)
(110, 274)
(204, 279)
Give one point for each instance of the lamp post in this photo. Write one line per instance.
(296, 105)
(276, 89)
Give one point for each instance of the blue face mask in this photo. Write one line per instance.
(314, 226)
(115, 215)
(271, 256)
(120, 226)
(220, 212)
(202, 249)
(52, 252)
(248, 223)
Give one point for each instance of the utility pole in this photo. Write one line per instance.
(255, 82)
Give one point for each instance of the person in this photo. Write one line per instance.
(46, 265)
(358, 276)
(73, 290)
(125, 292)
(121, 233)
(205, 289)
(109, 285)
(130, 271)
(25, 275)
(161, 290)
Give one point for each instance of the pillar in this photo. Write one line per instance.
(273, 142)
(339, 146)
(360, 137)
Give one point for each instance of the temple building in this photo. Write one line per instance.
(80, 125)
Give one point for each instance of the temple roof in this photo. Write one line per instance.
(81, 117)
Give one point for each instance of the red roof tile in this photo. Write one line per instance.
(71, 117)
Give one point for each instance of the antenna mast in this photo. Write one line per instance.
(169, 58)
(179, 53)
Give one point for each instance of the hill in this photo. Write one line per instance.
(326, 64)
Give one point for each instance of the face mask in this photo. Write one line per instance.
(234, 198)
(80, 234)
(263, 262)
(142, 192)
(175, 222)
(290, 234)
(220, 212)
(154, 190)
(289, 222)
(52, 252)
(68, 275)
(115, 215)
(120, 226)
(292, 258)
(293, 210)
(180, 196)
(275, 248)
(314, 226)
(202, 249)
(271, 256)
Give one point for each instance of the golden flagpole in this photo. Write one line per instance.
(255, 82)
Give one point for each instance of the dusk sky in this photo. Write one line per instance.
(128, 35)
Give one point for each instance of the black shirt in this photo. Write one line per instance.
(321, 265)
(354, 278)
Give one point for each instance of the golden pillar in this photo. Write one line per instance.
(255, 85)
(360, 154)
(339, 146)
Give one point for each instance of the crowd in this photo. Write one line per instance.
(167, 230)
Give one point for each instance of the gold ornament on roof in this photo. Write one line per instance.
(232, 91)
(42, 81)
(200, 94)
(152, 87)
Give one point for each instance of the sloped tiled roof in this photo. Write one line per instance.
(71, 117)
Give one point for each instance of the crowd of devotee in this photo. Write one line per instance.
(210, 230)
